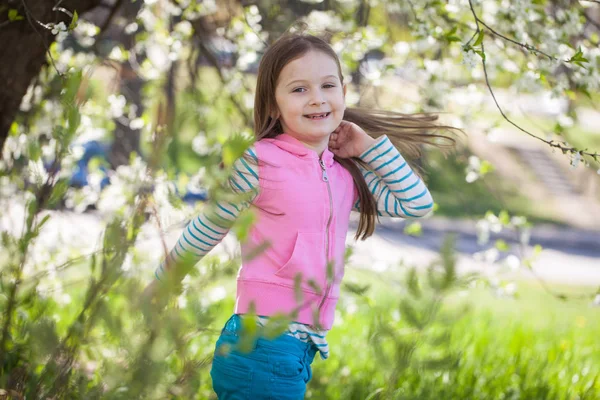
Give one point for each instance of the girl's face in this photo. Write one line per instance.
(307, 87)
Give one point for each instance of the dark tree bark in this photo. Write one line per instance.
(23, 48)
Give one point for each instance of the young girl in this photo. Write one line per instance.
(313, 162)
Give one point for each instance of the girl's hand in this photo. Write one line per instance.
(153, 299)
(349, 140)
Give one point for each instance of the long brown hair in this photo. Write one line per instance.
(406, 131)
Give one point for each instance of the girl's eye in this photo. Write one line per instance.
(326, 86)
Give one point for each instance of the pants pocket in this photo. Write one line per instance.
(231, 376)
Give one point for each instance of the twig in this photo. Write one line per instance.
(524, 45)
(63, 10)
(551, 143)
(558, 295)
(29, 18)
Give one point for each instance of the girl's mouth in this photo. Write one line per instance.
(318, 116)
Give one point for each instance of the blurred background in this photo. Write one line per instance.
(119, 121)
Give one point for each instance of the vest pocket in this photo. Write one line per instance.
(307, 259)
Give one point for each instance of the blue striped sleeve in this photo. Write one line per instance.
(208, 229)
(398, 191)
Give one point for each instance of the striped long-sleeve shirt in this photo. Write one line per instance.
(396, 188)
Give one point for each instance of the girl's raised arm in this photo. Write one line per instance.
(399, 192)
(207, 229)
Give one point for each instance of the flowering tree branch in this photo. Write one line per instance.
(552, 143)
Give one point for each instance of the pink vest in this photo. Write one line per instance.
(303, 210)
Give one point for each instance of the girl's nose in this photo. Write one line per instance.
(317, 98)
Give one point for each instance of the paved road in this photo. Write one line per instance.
(570, 256)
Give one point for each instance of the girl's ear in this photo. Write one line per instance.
(345, 88)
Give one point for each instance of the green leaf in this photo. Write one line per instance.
(486, 167)
(446, 362)
(330, 266)
(58, 192)
(243, 224)
(375, 394)
(298, 288)
(33, 149)
(276, 326)
(504, 217)
(479, 39)
(234, 148)
(502, 245)
(412, 280)
(73, 23)
(410, 314)
(248, 334)
(13, 15)
(44, 338)
(315, 286)
(356, 288)
(413, 229)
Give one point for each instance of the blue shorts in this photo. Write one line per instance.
(277, 369)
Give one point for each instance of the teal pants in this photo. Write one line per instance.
(277, 369)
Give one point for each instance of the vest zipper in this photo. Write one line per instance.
(326, 180)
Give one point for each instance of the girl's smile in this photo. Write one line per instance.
(318, 117)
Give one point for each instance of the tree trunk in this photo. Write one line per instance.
(23, 49)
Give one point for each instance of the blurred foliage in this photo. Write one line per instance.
(73, 320)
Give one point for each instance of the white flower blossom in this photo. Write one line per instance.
(148, 19)
(575, 159)
(117, 54)
(321, 20)
(184, 28)
(60, 27)
(473, 169)
(510, 289)
(246, 59)
(470, 58)
(117, 104)
(512, 262)
(131, 28)
(565, 120)
(36, 172)
(158, 54)
(137, 123)
(217, 294)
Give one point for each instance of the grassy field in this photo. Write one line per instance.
(532, 347)
(477, 346)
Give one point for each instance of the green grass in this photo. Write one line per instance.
(533, 347)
